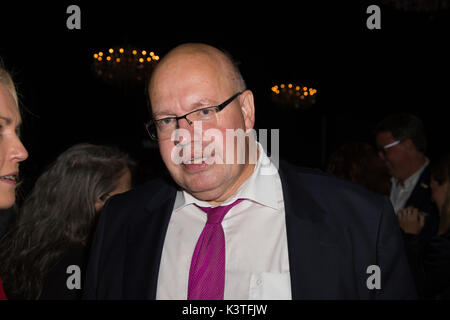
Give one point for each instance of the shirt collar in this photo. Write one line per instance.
(260, 187)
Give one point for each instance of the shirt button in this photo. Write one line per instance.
(259, 282)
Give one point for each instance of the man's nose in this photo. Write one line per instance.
(185, 123)
(184, 131)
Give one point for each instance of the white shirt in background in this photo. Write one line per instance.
(401, 193)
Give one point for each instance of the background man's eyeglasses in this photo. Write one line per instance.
(163, 128)
(388, 146)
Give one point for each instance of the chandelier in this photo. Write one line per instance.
(418, 5)
(124, 66)
(293, 95)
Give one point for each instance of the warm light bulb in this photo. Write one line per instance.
(144, 52)
(100, 59)
(156, 58)
(134, 52)
(117, 59)
(111, 50)
(282, 86)
(290, 85)
(100, 54)
(121, 50)
(152, 53)
(95, 56)
(149, 59)
(305, 93)
(297, 88)
(141, 60)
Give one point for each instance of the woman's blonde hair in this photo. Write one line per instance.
(6, 80)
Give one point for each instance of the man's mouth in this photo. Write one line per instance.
(196, 165)
(197, 160)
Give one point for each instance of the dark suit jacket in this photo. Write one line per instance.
(420, 198)
(335, 230)
(430, 265)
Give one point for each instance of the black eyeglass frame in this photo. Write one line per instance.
(219, 108)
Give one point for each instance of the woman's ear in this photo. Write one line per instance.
(99, 205)
(101, 202)
(248, 109)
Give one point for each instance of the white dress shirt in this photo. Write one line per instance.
(400, 193)
(256, 253)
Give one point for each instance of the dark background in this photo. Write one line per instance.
(361, 75)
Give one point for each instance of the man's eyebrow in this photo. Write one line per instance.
(202, 103)
(163, 113)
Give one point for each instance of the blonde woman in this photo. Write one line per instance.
(12, 151)
(431, 264)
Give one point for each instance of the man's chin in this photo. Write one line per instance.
(203, 188)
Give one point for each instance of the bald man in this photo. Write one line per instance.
(234, 229)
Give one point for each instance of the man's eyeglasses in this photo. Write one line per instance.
(388, 146)
(160, 129)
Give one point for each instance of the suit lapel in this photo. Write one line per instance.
(420, 193)
(145, 243)
(312, 242)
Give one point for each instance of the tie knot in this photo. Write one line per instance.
(216, 214)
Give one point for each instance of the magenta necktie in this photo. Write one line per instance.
(207, 273)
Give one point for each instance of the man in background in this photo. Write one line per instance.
(402, 145)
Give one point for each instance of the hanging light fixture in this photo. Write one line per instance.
(290, 94)
(428, 6)
(124, 66)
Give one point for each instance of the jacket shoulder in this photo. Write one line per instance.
(154, 190)
(332, 192)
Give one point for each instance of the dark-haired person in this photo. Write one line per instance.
(359, 163)
(12, 152)
(431, 265)
(402, 145)
(44, 254)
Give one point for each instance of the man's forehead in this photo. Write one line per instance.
(384, 138)
(384, 135)
(194, 75)
(188, 90)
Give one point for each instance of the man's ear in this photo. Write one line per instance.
(409, 144)
(248, 109)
